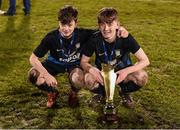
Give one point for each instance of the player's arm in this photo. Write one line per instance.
(35, 62)
(91, 69)
(142, 62)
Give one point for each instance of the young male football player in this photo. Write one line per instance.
(110, 49)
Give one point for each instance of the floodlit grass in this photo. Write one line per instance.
(154, 23)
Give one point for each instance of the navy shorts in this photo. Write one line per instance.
(55, 69)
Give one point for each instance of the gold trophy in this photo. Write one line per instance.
(109, 77)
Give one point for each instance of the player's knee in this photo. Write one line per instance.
(33, 75)
(142, 78)
(88, 78)
(77, 76)
(90, 82)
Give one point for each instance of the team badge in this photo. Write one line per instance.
(117, 52)
(77, 45)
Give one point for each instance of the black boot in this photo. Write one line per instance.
(73, 100)
(127, 100)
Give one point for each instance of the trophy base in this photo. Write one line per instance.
(109, 119)
(109, 115)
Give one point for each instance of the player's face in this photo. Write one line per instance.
(67, 29)
(108, 30)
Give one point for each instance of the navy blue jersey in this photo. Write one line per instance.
(63, 51)
(116, 53)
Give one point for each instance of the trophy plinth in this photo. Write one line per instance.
(109, 111)
(109, 114)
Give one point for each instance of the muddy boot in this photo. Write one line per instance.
(73, 100)
(127, 100)
(51, 99)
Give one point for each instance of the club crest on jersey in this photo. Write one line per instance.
(118, 52)
(77, 45)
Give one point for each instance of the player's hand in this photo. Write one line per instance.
(96, 74)
(121, 75)
(50, 80)
(122, 32)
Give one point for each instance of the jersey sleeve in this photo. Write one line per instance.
(89, 47)
(43, 47)
(132, 44)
